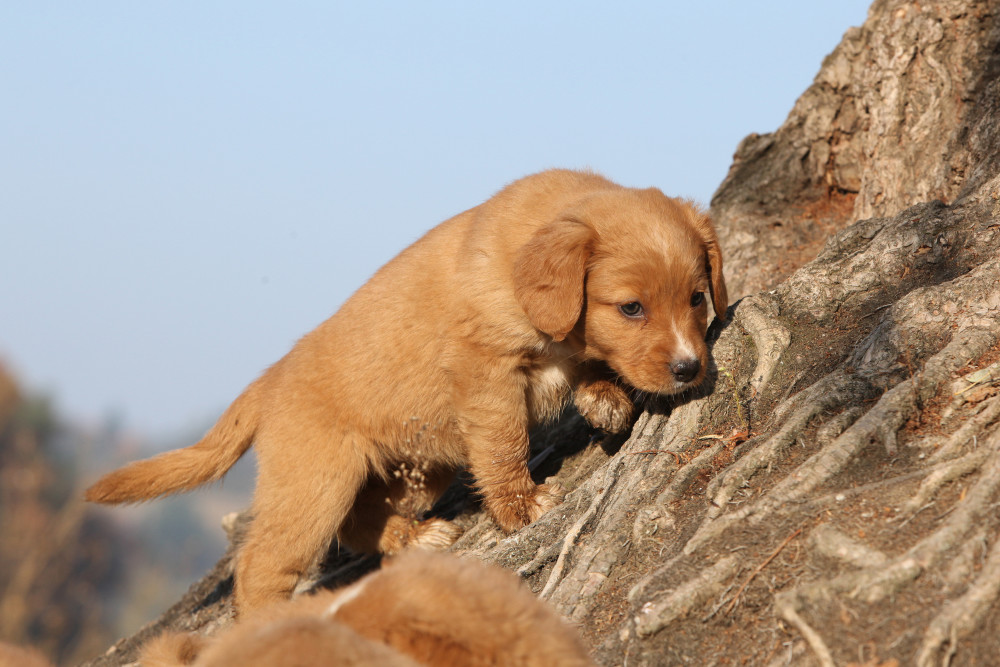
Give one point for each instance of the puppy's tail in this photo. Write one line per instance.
(184, 469)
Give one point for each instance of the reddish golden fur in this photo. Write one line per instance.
(289, 634)
(428, 607)
(17, 656)
(444, 358)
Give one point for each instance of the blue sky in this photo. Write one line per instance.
(187, 187)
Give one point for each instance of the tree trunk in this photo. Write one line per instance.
(894, 118)
(831, 497)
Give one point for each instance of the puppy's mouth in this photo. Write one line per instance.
(674, 383)
(675, 387)
(663, 377)
(667, 387)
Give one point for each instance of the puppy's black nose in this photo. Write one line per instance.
(685, 370)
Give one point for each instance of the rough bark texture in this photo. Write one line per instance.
(830, 497)
(889, 121)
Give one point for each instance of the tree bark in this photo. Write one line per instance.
(889, 121)
(830, 497)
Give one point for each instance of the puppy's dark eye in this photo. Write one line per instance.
(631, 309)
(697, 299)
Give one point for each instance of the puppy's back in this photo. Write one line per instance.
(443, 610)
(290, 634)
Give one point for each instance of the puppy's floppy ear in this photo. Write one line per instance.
(720, 299)
(549, 273)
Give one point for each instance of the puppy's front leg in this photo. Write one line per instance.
(503, 478)
(493, 418)
(604, 403)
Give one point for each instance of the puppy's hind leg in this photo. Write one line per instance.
(386, 517)
(301, 502)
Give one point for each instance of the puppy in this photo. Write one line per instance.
(421, 608)
(289, 636)
(562, 281)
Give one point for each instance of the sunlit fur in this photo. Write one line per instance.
(422, 608)
(638, 258)
(446, 357)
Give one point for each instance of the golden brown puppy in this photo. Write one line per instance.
(430, 608)
(562, 281)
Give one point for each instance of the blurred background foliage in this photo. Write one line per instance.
(74, 577)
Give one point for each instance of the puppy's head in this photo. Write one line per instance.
(626, 275)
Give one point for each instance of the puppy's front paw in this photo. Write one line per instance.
(517, 511)
(604, 405)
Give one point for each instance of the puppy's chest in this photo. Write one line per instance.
(549, 388)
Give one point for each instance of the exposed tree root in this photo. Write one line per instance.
(785, 606)
(824, 396)
(961, 616)
(874, 583)
(580, 570)
(830, 542)
(880, 423)
(608, 483)
(988, 413)
(758, 315)
(657, 613)
(941, 475)
(684, 475)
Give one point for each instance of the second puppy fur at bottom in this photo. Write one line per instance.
(562, 282)
(421, 608)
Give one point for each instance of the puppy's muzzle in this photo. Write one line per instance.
(685, 370)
